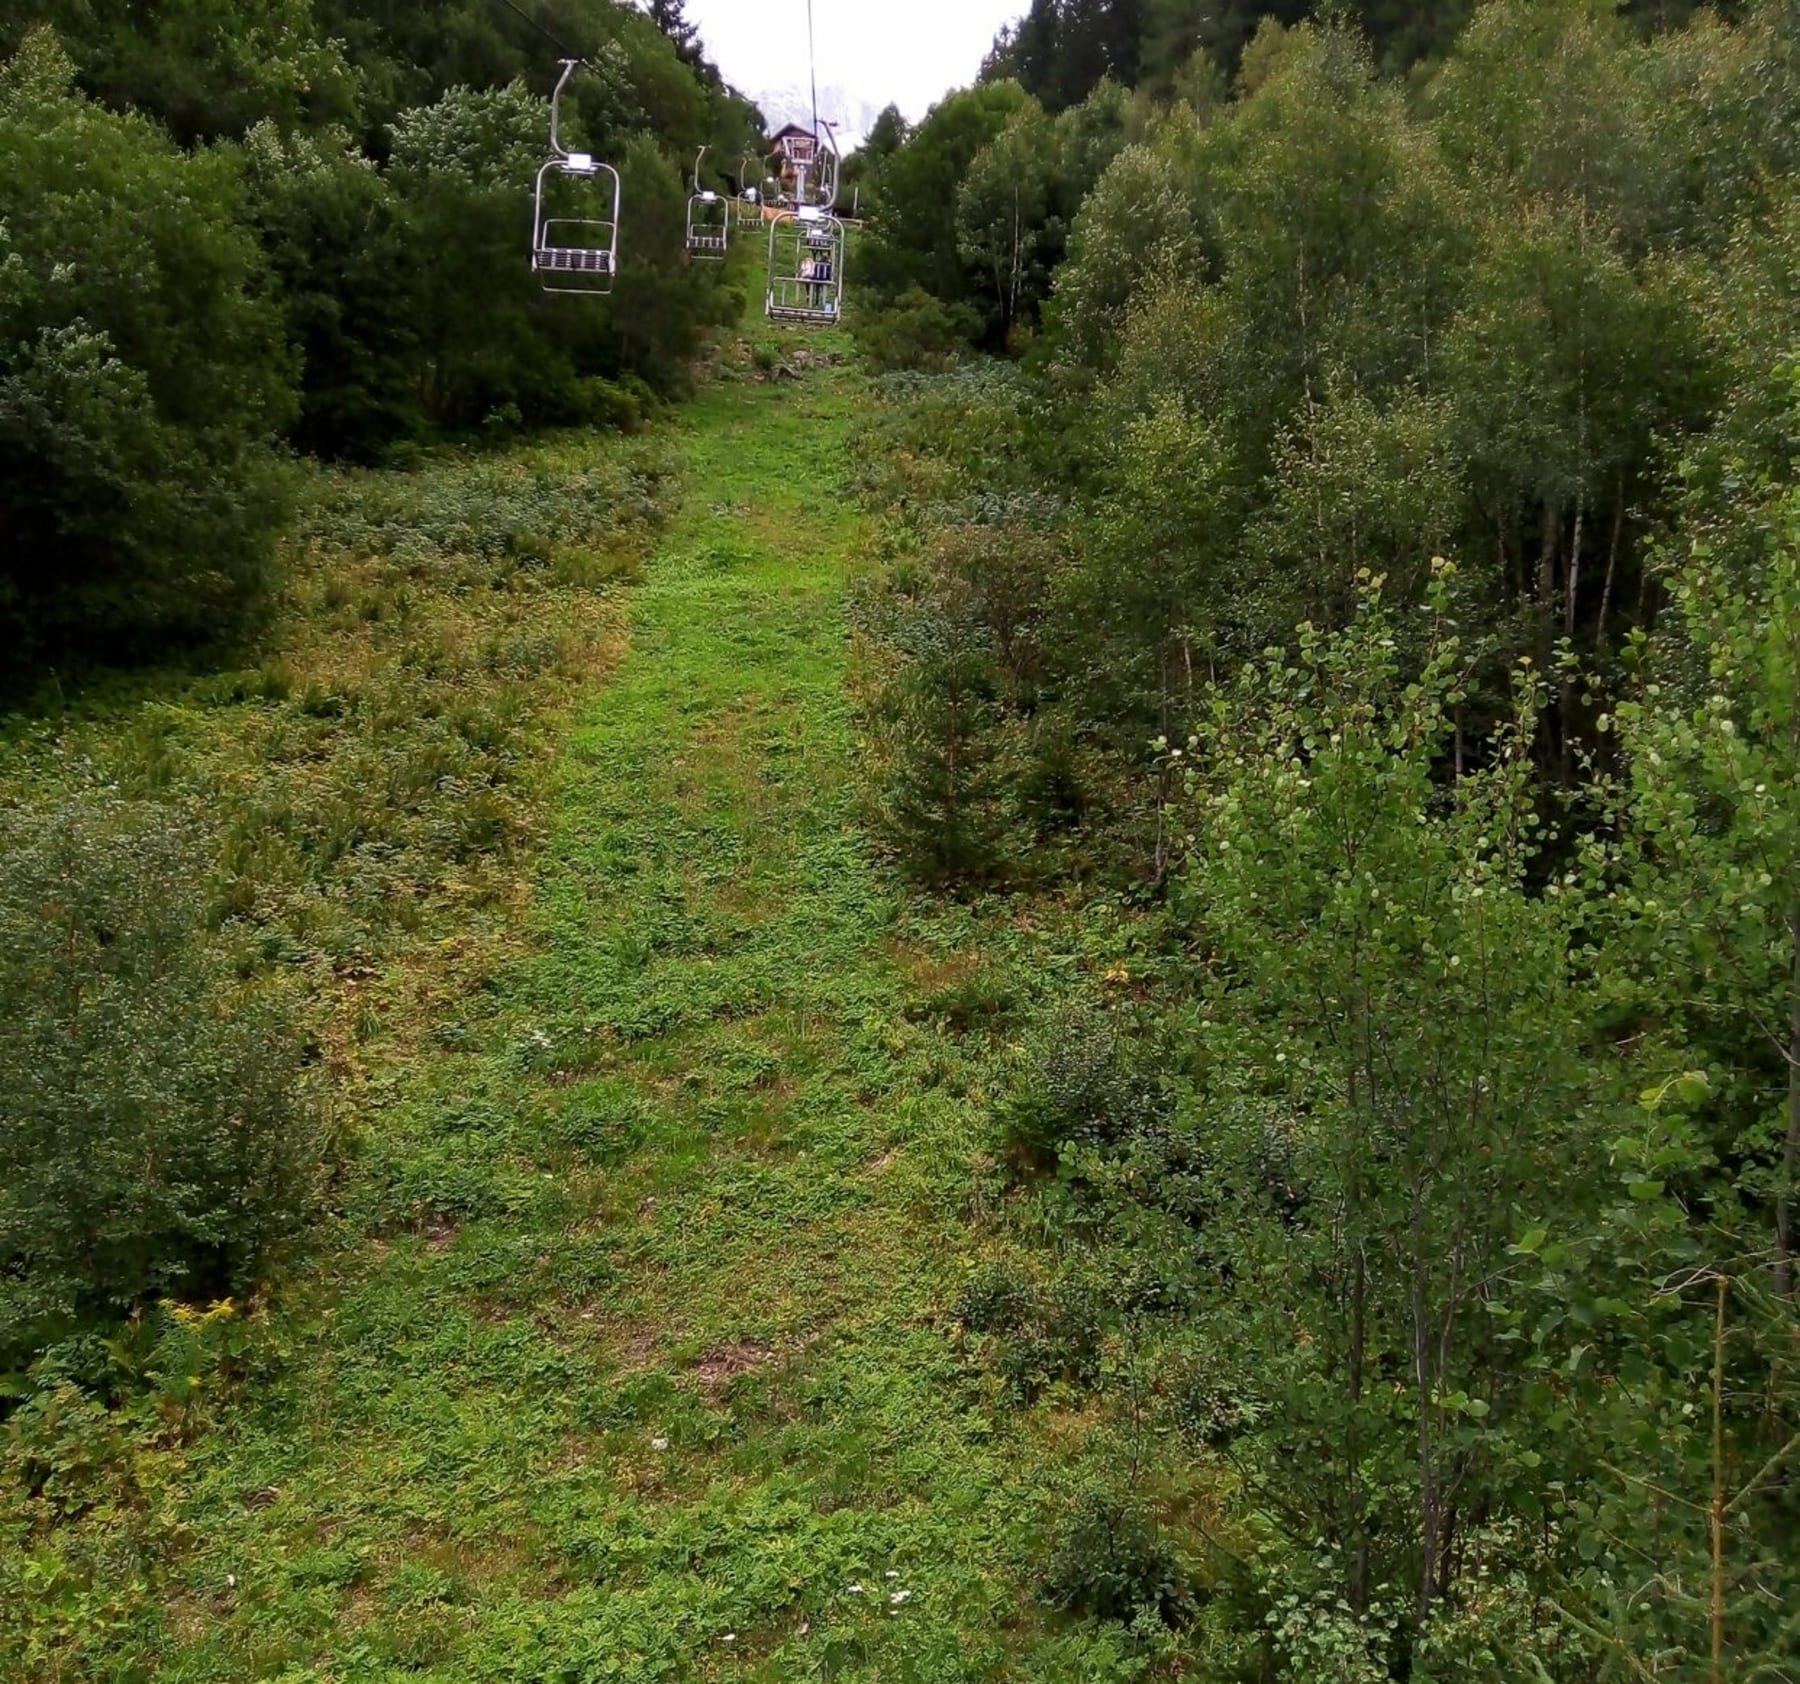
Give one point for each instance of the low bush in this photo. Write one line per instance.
(1086, 1083)
(1111, 1561)
(916, 333)
(158, 1137)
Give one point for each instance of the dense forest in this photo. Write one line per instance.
(1060, 50)
(1098, 981)
(1369, 585)
(232, 232)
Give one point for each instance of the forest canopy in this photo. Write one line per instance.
(231, 230)
(1341, 486)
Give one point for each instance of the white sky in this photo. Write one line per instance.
(907, 51)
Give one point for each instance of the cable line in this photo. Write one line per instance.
(812, 64)
(561, 46)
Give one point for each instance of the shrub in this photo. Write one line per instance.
(141, 380)
(157, 1139)
(1034, 1337)
(916, 332)
(1085, 1083)
(1110, 1561)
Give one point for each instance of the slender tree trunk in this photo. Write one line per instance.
(1612, 564)
(1359, 1555)
(1548, 543)
(1790, 1154)
(1428, 1495)
(1717, 1674)
(1573, 583)
(1571, 591)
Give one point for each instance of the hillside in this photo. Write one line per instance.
(1073, 958)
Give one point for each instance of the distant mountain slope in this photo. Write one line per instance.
(851, 117)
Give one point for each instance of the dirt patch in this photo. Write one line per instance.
(441, 1232)
(719, 1367)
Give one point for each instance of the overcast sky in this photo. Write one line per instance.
(907, 51)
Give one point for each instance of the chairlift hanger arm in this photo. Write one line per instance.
(569, 67)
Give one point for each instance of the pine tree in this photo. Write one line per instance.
(670, 16)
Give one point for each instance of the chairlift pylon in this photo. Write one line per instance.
(810, 168)
(569, 253)
(806, 267)
(708, 219)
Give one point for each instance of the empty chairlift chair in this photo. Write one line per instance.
(708, 221)
(575, 213)
(752, 194)
(806, 267)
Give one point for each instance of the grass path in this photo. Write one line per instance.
(655, 1376)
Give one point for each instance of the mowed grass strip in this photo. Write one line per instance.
(650, 1369)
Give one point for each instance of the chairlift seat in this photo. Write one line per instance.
(805, 315)
(574, 260)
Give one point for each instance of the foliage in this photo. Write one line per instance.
(204, 70)
(1111, 1561)
(916, 333)
(158, 1139)
(141, 380)
(345, 220)
(1329, 328)
(1060, 49)
(942, 803)
(974, 207)
(914, 195)
(1086, 1085)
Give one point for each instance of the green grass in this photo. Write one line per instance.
(639, 1354)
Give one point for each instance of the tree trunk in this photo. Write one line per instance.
(1612, 565)
(1428, 1495)
(1359, 1555)
(1790, 1154)
(1717, 1512)
(1571, 592)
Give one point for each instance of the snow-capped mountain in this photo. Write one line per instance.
(851, 117)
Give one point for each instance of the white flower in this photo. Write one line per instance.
(898, 1597)
(659, 1444)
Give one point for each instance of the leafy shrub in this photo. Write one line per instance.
(157, 1137)
(141, 380)
(1111, 1561)
(1085, 1083)
(916, 332)
(1036, 1336)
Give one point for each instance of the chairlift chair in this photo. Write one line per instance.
(569, 253)
(806, 268)
(708, 220)
(747, 206)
